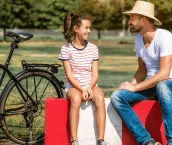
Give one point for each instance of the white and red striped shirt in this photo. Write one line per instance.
(81, 61)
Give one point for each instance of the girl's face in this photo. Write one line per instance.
(83, 31)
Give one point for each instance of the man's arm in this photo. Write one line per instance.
(140, 74)
(163, 74)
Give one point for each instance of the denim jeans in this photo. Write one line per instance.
(121, 100)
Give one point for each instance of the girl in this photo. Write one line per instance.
(80, 61)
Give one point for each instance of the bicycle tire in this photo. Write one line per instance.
(15, 126)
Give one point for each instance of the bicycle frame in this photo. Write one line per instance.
(6, 70)
(7, 63)
(32, 100)
(26, 67)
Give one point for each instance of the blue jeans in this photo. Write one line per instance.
(121, 100)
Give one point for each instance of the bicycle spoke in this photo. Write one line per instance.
(18, 123)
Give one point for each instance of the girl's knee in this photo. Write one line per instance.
(99, 100)
(75, 101)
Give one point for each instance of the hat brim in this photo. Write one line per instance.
(156, 21)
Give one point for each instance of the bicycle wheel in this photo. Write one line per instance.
(21, 122)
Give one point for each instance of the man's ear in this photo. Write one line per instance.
(145, 19)
(75, 28)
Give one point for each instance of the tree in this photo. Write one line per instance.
(15, 14)
(49, 13)
(98, 11)
(163, 11)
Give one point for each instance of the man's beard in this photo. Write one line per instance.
(135, 29)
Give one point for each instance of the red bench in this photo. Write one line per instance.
(56, 122)
(150, 116)
(57, 127)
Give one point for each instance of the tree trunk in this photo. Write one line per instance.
(5, 38)
(99, 34)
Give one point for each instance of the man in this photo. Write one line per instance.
(153, 79)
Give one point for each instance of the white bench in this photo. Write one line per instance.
(87, 132)
(56, 126)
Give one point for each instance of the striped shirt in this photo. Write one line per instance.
(81, 62)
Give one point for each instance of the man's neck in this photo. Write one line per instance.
(148, 34)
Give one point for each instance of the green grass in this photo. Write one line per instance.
(116, 64)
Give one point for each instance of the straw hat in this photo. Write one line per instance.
(144, 8)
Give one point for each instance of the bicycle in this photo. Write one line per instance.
(22, 98)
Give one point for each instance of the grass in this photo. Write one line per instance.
(117, 63)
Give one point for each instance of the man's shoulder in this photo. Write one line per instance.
(163, 32)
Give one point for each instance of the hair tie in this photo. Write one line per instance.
(71, 15)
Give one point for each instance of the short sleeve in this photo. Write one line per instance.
(165, 40)
(64, 54)
(95, 54)
(137, 44)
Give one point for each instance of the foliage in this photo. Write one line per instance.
(163, 11)
(98, 11)
(15, 13)
(49, 14)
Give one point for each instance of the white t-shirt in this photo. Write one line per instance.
(161, 45)
(80, 61)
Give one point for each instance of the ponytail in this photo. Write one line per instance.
(68, 30)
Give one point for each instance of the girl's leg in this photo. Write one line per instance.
(75, 101)
(98, 99)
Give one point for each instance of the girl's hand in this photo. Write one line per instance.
(84, 95)
(90, 93)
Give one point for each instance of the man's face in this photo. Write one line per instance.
(135, 23)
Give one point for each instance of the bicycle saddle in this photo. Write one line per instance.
(20, 35)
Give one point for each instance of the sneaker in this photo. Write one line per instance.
(153, 143)
(74, 142)
(101, 142)
(157, 143)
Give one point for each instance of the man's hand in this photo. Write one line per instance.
(127, 86)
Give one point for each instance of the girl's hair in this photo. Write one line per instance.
(71, 20)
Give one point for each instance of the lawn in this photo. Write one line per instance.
(117, 63)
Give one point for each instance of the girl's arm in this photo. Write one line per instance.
(93, 79)
(94, 74)
(72, 80)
